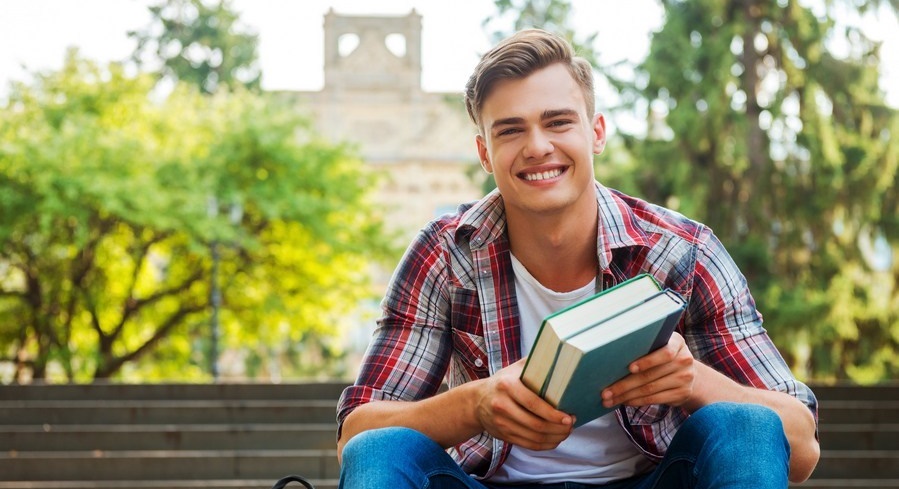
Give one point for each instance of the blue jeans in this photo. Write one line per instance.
(721, 445)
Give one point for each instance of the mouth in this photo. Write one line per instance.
(542, 175)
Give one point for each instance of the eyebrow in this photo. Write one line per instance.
(547, 114)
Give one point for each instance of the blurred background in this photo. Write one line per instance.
(199, 190)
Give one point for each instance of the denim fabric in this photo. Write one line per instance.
(723, 445)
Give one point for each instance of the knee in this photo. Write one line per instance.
(747, 426)
(388, 457)
(728, 417)
(386, 444)
(735, 445)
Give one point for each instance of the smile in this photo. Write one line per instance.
(546, 175)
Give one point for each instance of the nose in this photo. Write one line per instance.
(538, 145)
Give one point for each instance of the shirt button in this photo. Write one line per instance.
(478, 362)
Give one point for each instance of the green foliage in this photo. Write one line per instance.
(785, 148)
(200, 42)
(550, 15)
(106, 227)
(788, 151)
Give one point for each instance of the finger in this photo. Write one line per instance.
(638, 379)
(671, 397)
(540, 435)
(644, 389)
(665, 384)
(519, 426)
(539, 417)
(520, 416)
(517, 413)
(676, 346)
(540, 408)
(664, 361)
(530, 401)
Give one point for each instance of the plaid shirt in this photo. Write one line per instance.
(450, 314)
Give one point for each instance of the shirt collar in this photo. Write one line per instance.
(618, 227)
(485, 222)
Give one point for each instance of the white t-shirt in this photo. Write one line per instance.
(597, 452)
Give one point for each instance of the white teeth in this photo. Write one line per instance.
(533, 177)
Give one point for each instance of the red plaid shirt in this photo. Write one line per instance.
(450, 314)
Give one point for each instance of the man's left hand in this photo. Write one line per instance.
(664, 376)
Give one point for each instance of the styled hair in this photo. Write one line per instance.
(517, 57)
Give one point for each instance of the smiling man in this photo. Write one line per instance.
(716, 407)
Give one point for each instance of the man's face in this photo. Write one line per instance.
(538, 141)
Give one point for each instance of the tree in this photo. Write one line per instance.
(551, 15)
(200, 42)
(786, 149)
(105, 226)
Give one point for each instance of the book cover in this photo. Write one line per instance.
(584, 348)
(569, 321)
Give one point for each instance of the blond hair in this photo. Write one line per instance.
(517, 57)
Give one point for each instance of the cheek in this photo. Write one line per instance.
(502, 157)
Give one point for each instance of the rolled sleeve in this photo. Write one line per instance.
(725, 330)
(411, 347)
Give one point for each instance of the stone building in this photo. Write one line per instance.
(422, 143)
(372, 96)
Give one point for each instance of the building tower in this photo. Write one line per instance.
(421, 141)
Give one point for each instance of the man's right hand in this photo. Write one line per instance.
(508, 410)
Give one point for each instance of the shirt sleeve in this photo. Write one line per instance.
(724, 329)
(411, 347)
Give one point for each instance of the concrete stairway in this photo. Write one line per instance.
(226, 436)
(859, 434)
(167, 436)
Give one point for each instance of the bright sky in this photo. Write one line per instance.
(36, 33)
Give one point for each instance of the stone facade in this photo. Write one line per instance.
(423, 142)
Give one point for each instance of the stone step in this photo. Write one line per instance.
(858, 464)
(292, 411)
(164, 484)
(289, 436)
(173, 392)
(168, 437)
(312, 390)
(858, 411)
(859, 436)
(149, 465)
(223, 436)
(167, 412)
(881, 392)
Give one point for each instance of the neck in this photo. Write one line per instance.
(559, 251)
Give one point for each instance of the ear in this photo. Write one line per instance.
(483, 157)
(599, 129)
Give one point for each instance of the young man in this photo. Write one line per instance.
(716, 407)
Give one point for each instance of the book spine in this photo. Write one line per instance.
(552, 368)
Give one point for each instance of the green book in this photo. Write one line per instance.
(584, 348)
